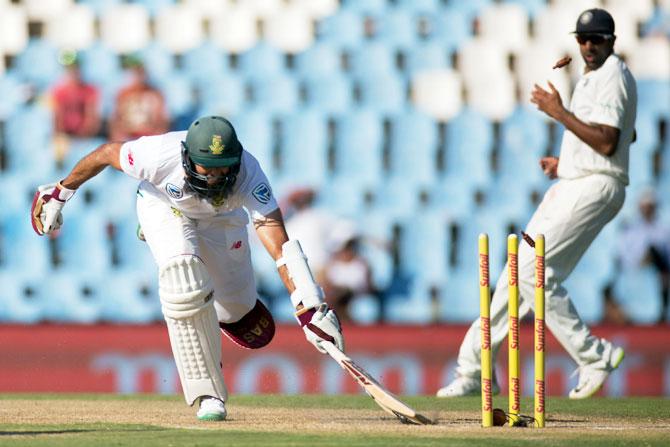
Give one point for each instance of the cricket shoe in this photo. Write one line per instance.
(466, 386)
(592, 379)
(211, 409)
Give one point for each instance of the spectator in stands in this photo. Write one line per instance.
(76, 107)
(592, 174)
(310, 224)
(346, 274)
(196, 189)
(140, 108)
(646, 242)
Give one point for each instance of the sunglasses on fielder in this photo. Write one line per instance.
(595, 39)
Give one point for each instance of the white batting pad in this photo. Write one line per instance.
(185, 291)
(307, 290)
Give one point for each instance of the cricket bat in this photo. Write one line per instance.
(384, 398)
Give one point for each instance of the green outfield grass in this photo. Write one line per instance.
(84, 420)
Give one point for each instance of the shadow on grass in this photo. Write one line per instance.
(72, 430)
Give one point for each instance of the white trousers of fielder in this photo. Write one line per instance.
(571, 215)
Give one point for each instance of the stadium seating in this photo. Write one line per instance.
(406, 114)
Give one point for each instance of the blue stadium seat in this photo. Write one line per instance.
(275, 94)
(304, 157)
(654, 97)
(512, 198)
(413, 309)
(384, 93)
(469, 230)
(99, 64)
(38, 63)
(371, 60)
(413, 147)
(134, 254)
(320, 60)
(365, 6)
(19, 306)
(124, 191)
(425, 245)
(419, 6)
(12, 94)
(469, 142)
(429, 55)
(154, 6)
(343, 197)
(638, 292)
(331, 93)
(532, 6)
(396, 28)
(83, 243)
(262, 61)
(586, 295)
(469, 9)
(524, 140)
(397, 198)
(641, 166)
(99, 6)
(459, 300)
(364, 310)
(455, 196)
(179, 95)
(647, 130)
(221, 94)
(450, 28)
(158, 62)
(358, 147)
(72, 298)
(129, 297)
(28, 134)
(205, 62)
(254, 130)
(377, 234)
(343, 29)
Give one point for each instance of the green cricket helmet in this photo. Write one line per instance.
(211, 142)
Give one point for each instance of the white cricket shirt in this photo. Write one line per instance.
(604, 96)
(157, 161)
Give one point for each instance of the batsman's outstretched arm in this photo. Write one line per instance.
(318, 321)
(106, 154)
(48, 202)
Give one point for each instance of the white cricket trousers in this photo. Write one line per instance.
(224, 249)
(571, 215)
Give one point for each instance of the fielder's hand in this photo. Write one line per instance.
(549, 166)
(48, 202)
(319, 324)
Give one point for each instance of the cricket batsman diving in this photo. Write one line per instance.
(592, 173)
(194, 188)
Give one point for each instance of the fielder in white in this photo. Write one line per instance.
(195, 186)
(592, 174)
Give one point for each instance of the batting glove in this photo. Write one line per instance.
(321, 324)
(47, 205)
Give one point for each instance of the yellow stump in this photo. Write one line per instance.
(485, 324)
(539, 331)
(513, 324)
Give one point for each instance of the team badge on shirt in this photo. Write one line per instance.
(216, 147)
(174, 191)
(262, 193)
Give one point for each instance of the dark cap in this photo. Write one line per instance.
(595, 21)
(211, 142)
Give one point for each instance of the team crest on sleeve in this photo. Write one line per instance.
(262, 193)
(174, 191)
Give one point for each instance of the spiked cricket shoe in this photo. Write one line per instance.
(466, 386)
(592, 379)
(211, 409)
